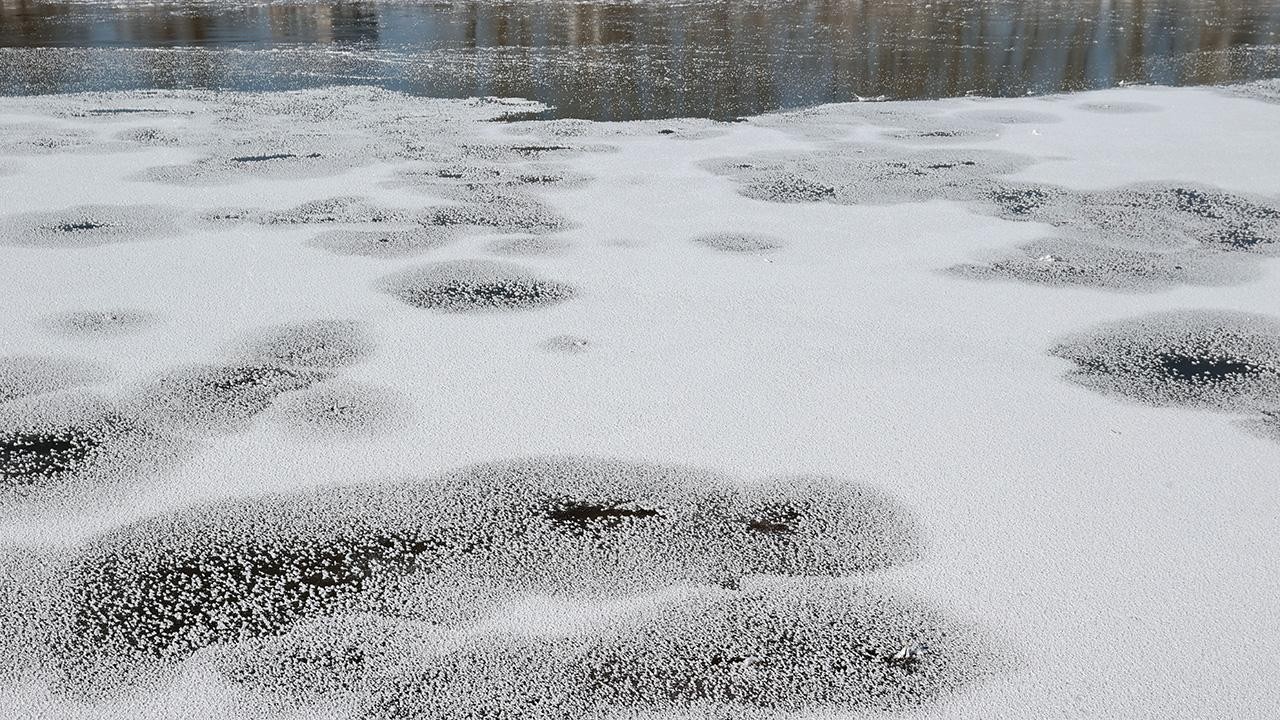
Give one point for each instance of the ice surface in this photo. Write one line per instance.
(343, 403)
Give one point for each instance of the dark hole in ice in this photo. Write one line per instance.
(537, 149)
(583, 514)
(524, 116)
(265, 158)
(776, 520)
(1204, 369)
(79, 226)
(28, 458)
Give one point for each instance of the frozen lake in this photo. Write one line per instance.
(652, 384)
(613, 60)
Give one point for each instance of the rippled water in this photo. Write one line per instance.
(621, 60)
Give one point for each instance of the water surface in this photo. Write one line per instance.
(607, 59)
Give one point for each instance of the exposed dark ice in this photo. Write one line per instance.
(474, 286)
(88, 226)
(1221, 360)
(451, 549)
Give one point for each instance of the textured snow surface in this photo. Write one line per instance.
(346, 404)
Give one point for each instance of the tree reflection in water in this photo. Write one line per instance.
(621, 60)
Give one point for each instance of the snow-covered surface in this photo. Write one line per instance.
(960, 335)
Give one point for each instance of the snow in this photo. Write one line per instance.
(672, 312)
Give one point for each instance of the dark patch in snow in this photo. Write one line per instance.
(1220, 360)
(88, 226)
(474, 285)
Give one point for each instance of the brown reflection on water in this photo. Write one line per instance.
(644, 59)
